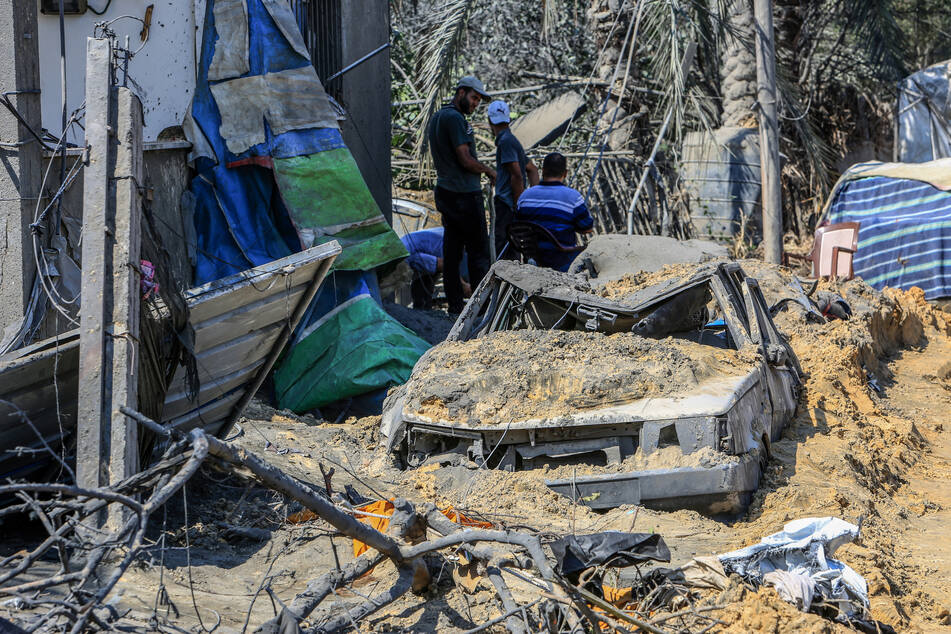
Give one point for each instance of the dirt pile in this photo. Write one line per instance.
(514, 376)
(862, 447)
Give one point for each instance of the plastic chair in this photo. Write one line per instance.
(832, 251)
(524, 237)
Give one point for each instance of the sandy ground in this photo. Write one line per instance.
(521, 375)
(871, 442)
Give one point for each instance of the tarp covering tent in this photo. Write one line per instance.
(924, 115)
(274, 177)
(905, 231)
(350, 348)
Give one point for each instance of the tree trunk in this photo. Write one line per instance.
(738, 67)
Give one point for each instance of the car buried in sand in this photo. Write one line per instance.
(666, 396)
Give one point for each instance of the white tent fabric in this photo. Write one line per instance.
(924, 115)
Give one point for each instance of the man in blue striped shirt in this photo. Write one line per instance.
(558, 208)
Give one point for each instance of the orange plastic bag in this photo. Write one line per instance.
(380, 507)
(385, 507)
(458, 518)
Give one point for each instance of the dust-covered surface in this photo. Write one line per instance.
(871, 440)
(514, 376)
(612, 256)
(431, 325)
(619, 288)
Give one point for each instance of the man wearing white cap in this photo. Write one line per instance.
(515, 171)
(458, 190)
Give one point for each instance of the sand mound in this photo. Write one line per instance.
(514, 376)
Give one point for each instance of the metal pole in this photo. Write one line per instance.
(357, 63)
(647, 169)
(768, 132)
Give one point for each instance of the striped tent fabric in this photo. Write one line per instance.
(905, 232)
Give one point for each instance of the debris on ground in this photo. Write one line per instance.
(866, 457)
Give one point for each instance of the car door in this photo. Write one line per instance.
(782, 366)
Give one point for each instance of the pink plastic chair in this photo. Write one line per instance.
(832, 251)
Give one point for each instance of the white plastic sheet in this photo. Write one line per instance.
(924, 115)
(805, 547)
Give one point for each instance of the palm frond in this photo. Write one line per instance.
(550, 10)
(878, 33)
(438, 65)
(669, 28)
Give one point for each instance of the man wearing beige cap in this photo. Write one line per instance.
(458, 190)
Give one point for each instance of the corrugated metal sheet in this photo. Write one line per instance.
(320, 24)
(237, 320)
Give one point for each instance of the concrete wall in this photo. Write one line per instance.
(166, 177)
(162, 74)
(365, 94)
(19, 158)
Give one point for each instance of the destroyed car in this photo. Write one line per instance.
(668, 396)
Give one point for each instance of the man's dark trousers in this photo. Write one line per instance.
(463, 217)
(504, 215)
(422, 289)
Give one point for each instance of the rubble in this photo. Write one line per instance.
(540, 374)
(848, 452)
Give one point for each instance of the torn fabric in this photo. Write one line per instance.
(805, 547)
(280, 11)
(705, 573)
(328, 200)
(288, 100)
(795, 588)
(231, 49)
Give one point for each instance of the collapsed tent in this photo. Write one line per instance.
(924, 115)
(904, 211)
(274, 176)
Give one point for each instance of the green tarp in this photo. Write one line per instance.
(328, 200)
(359, 349)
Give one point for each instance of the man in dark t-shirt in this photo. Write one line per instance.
(516, 172)
(458, 190)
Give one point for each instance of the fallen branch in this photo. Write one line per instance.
(499, 619)
(403, 584)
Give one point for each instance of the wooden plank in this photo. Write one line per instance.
(91, 442)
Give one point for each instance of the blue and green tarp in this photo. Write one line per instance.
(360, 349)
(274, 177)
(904, 211)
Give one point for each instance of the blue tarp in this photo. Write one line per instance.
(905, 232)
(239, 216)
(242, 220)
